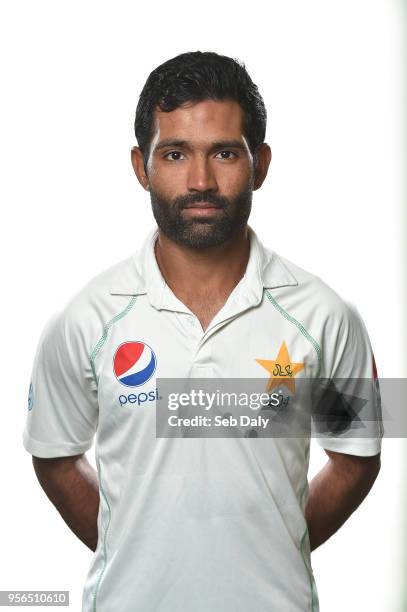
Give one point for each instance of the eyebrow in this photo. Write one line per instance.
(221, 144)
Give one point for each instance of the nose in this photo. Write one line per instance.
(201, 176)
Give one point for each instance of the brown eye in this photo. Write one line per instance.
(173, 153)
(228, 153)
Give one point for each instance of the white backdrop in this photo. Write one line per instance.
(330, 74)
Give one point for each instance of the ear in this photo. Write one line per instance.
(262, 165)
(137, 161)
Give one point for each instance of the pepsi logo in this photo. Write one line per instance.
(134, 363)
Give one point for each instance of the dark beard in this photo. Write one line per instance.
(201, 233)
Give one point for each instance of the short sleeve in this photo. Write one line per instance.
(349, 403)
(62, 411)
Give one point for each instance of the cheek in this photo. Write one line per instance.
(167, 179)
(234, 180)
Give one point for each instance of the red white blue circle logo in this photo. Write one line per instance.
(134, 363)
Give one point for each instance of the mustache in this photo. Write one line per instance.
(183, 201)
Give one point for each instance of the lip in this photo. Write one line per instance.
(202, 205)
(202, 210)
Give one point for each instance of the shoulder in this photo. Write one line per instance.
(313, 299)
(332, 321)
(85, 314)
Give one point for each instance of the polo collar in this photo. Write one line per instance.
(264, 270)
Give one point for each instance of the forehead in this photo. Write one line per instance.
(209, 118)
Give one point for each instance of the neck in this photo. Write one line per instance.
(197, 271)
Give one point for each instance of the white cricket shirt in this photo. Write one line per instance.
(192, 524)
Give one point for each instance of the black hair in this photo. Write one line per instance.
(197, 76)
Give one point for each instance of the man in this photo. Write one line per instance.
(196, 523)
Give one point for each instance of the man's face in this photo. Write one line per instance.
(200, 173)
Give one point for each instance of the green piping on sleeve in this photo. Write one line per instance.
(98, 346)
(301, 328)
